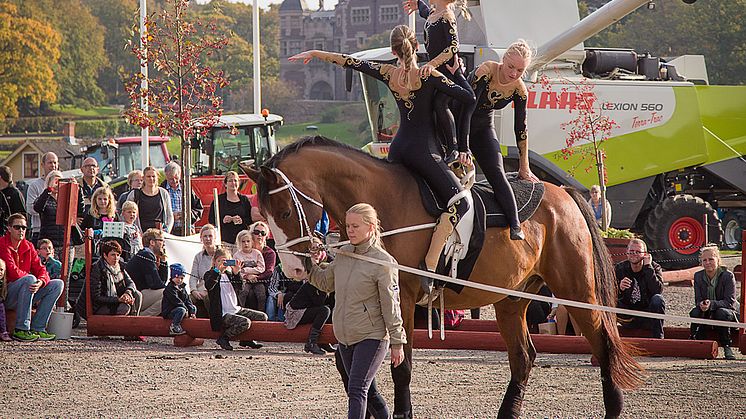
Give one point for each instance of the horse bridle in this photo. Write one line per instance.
(300, 212)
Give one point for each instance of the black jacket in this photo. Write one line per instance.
(145, 273)
(308, 296)
(46, 206)
(176, 296)
(100, 287)
(242, 208)
(725, 291)
(649, 280)
(212, 283)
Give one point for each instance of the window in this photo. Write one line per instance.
(360, 15)
(389, 14)
(294, 47)
(284, 48)
(30, 165)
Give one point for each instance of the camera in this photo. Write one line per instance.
(230, 262)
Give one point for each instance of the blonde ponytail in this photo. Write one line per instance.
(460, 6)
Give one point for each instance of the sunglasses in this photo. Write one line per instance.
(259, 233)
(20, 227)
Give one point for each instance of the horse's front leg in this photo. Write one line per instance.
(402, 375)
(511, 318)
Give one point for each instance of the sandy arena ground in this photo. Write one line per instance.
(113, 378)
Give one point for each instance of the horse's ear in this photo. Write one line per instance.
(268, 174)
(252, 173)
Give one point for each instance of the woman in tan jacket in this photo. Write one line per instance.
(367, 317)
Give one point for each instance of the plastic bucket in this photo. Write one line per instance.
(61, 324)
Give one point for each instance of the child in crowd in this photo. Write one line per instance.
(132, 233)
(251, 262)
(176, 303)
(46, 254)
(225, 313)
(4, 335)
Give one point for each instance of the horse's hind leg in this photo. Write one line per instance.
(511, 318)
(591, 324)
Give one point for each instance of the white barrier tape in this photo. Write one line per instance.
(521, 294)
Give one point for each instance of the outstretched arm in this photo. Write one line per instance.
(375, 70)
(411, 5)
(445, 85)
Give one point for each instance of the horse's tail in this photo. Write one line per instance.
(624, 370)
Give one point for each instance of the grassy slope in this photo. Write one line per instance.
(101, 111)
(345, 132)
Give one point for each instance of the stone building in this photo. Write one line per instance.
(346, 29)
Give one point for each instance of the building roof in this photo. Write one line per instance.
(62, 149)
(293, 6)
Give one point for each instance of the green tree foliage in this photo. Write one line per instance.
(116, 18)
(711, 28)
(28, 51)
(81, 52)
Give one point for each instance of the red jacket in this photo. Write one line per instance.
(22, 262)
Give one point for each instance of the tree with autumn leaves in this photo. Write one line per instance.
(182, 92)
(29, 50)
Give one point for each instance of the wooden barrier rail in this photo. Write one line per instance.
(455, 339)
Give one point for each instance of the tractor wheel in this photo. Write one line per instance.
(675, 230)
(734, 223)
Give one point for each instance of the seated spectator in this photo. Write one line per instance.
(595, 203)
(102, 210)
(253, 293)
(112, 289)
(134, 181)
(714, 298)
(176, 304)
(132, 234)
(149, 270)
(640, 282)
(4, 335)
(235, 209)
(46, 255)
(259, 234)
(202, 263)
(11, 200)
(46, 207)
(275, 307)
(307, 306)
(538, 311)
(153, 203)
(28, 283)
(226, 315)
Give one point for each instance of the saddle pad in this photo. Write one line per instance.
(527, 195)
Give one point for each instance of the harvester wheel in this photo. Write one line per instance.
(676, 231)
(734, 222)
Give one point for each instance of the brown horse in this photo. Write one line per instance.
(563, 249)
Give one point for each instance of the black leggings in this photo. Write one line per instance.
(444, 114)
(486, 149)
(316, 315)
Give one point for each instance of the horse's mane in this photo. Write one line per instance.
(304, 142)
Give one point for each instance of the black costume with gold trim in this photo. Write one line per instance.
(483, 138)
(414, 145)
(441, 43)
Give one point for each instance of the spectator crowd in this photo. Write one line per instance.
(238, 279)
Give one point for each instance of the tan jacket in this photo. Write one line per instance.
(367, 296)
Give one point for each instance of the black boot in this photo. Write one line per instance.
(312, 346)
(516, 233)
(328, 348)
(250, 344)
(224, 343)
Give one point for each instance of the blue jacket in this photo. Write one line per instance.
(144, 271)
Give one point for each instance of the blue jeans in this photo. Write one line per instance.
(656, 305)
(361, 361)
(22, 300)
(177, 315)
(274, 313)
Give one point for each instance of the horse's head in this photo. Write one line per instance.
(289, 199)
